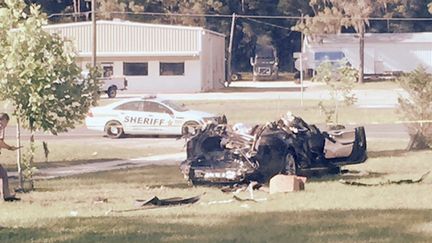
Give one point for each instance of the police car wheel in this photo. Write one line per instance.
(114, 129)
(190, 128)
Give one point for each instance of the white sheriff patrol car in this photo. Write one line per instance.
(152, 115)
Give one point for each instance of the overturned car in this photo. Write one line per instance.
(219, 153)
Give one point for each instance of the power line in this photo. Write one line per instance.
(244, 16)
(269, 24)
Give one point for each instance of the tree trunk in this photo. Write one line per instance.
(361, 49)
(75, 9)
(417, 142)
(19, 165)
(31, 160)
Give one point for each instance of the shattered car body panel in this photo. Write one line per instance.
(219, 153)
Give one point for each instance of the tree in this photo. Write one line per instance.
(331, 15)
(340, 78)
(109, 9)
(40, 77)
(417, 107)
(406, 9)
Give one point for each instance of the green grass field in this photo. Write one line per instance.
(70, 210)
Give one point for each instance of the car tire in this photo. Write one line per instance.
(114, 129)
(190, 128)
(235, 77)
(112, 92)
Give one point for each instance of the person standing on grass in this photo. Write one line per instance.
(7, 196)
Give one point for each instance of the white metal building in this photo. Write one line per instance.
(384, 52)
(154, 58)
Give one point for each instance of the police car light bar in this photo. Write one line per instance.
(149, 97)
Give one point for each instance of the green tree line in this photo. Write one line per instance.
(248, 31)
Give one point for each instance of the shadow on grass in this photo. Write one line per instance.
(151, 176)
(387, 153)
(54, 164)
(400, 225)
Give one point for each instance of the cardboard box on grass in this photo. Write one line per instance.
(287, 183)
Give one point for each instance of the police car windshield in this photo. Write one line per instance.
(174, 105)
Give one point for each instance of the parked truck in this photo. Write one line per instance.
(264, 63)
(110, 85)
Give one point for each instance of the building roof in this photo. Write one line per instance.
(124, 38)
(420, 37)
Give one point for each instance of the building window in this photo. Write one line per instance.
(172, 68)
(135, 68)
(329, 55)
(108, 71)
(131, 106)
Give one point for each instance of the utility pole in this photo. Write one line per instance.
(301, 63)
(230, 47)
(93, 14)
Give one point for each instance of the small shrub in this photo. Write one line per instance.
(416, 108)
(340, 78)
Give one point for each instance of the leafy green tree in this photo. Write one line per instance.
(108, 9)
(404, 9)
(340, 78)
(39, 75)
(417, 107)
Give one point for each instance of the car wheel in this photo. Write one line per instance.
(114, 129)
(190, 128)
(235, 77)
(112, 92)
(290, 164)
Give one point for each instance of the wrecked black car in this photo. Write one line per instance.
(222, 154)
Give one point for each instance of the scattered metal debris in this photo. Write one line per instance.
(249, 199)
(221, 202)
(222, 154)
(388, 182)
(155, 201)
(99, 200)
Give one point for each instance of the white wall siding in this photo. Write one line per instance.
(124, 37)
(213, 62)
(405, 52)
